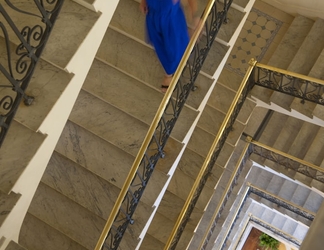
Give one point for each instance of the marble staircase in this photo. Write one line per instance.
(105, 130)
(299, 52)
(281, 218)
(35, 129)
(98, 144)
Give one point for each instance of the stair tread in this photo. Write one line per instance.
(14, 246)
(139, 100)
(286, 51)
(98, 155)
(314, 153)
(46, 85)
(171, 205)
(150, 241)
(211, 120)
(78, 223)
(18, 138)
(75, 21)
(117, 127)
(7, 203)
(97, 195)
(161, 228)
(301, 63)
(307, 108)
(37, 235)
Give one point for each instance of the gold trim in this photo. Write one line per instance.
(221, 201)
(279, 198)
(286, 72)
(210, 153)
(151, 131)
(302, 162)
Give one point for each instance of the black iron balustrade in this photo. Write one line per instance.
(227, 192)
(282, 203)
(154, 150)
(288, 161)
(276, 231)
(22, 45)
(304, 87)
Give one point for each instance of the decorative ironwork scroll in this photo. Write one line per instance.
(22, 44)
(306, 88)
(282, 203)
(275, 230)
(227, 192)
(288, 161)
(154, 150)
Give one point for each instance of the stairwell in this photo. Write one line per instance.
(98, 144)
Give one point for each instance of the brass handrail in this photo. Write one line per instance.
(290, 73)
(150, 133)
(285, 155)
(210, 153)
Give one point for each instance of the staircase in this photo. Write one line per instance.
(289, 222)
(107, 125)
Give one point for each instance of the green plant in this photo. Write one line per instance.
(267, 242)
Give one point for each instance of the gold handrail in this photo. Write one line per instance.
(210, 153)
(279, 198)
(302, 162)
(222, 200)
(150, 133)
(286, 72)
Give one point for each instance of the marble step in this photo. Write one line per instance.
(303, 61)
(130, 21)
(7, 203)
(313, 202)
(285, 52)
(126, 88)
(72, 25)
(211, 120)
(308, 108)
(90, 191)
(46, 85)
(104, 159)
(242, 3)
(67, 216)
(14, 246)
(314, 153)
(150, 241)
(38, 235)
(222, 98)
(17, 150)
(191, 163)
(201, 141)
(128, 18)
(117, 127)
(161, 228)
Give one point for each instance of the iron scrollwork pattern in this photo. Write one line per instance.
(227, 195)
(291, 85)
(22, 44)
(167, 122)
(282, 203)
(275, 231)
(288, 163)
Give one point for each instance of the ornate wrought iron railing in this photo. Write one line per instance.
(286, 160)
(226, 194)
(248, 150)
(251, 189)
(22, 45)
(275, 230)
(163, 123)
(282, 202)
(301, 86)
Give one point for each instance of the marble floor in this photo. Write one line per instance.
(261, 33)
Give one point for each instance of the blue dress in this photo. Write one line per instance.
(167, 32)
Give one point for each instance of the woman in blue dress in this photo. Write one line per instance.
(167, 31)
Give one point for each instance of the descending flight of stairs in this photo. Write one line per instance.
(280, 218)
(108, 123)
